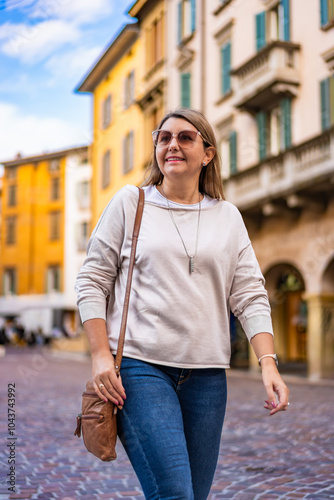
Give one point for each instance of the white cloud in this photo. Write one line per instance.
(76, 11)
(33, 135)
(33, 44)
(72, 63)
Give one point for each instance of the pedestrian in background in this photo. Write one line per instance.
(194, 263)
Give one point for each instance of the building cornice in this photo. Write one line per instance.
(44, 157)
(140, 8)
(109, 58)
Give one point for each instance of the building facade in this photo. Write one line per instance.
(262, 73)
(45, 226)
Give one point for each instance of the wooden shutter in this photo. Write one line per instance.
(233, 152)
(180, 22)
(285, 105)
(323, 12)
(260, 21)
(262, 134)
(325, 104)
(193, 16)
(226, 67)
(185, 90)
(286, 19)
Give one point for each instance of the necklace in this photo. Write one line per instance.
(190, 257)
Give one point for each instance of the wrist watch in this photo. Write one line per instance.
(274, 356)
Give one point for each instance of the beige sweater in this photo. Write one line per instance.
(175, 318)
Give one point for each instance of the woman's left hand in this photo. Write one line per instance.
(277, 391)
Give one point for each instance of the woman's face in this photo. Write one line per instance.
(182, 163)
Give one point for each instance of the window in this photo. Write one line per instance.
(53, 279)
(128, 152)
(12, 190)
(55, 188)
(273, 24)
(83, 194)
(186, 19)
(233, 152)
(326, 12)
(228, 152)
(106, 112)
(129, 90)
(11, 172)
(54, 165)
(9, 281)
(83, 236)
(225, 68)
(327, 102)
(185, 90)
(274, 129)
(54, 226)
(105, 180)
(11, 230)
(154, 43)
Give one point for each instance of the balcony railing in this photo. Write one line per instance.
(303, 167)
(269, 75)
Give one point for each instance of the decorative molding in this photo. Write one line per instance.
(328, 57)
(271, 4)
(185, 57)
(224, 30)
(224, 98)
(151, 95)
(220, 8)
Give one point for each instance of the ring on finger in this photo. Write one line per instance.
(101, 386)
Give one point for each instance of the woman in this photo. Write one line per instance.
(194, 263)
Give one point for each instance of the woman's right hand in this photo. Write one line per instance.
(103, 368)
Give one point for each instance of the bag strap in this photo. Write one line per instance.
(136, 229)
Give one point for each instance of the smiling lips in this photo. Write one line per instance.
(174, 158)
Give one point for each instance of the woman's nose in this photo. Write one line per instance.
(173, 143)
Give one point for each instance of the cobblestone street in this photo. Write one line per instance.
(288, 456)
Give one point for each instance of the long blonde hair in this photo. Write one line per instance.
(210, 180)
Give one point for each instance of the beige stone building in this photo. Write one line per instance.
(262, 72)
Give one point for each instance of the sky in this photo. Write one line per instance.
(46, 49)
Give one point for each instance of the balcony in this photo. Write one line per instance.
(268, 76)
(303, 175)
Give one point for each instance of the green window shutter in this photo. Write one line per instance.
(193, 16)
(286, 19)
(323, 12)
(331, 100)
(325, 103)
(285, 105)
(180, 22)
(226, 68)
(262, 134)
(185, 90)
(260, 20)
(233, 152)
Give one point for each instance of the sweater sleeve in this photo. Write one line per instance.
(96, 278)
(249, 300)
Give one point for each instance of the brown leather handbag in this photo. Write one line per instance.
(97, 420)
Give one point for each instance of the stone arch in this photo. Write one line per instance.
(286, 287)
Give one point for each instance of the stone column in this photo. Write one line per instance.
(320, 336)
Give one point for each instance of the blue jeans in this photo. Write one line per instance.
(171, 427)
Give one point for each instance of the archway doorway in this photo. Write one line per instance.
(285, 287)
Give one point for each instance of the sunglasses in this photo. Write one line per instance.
(185, 138)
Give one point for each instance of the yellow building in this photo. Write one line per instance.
(42, 212)
(127, 84)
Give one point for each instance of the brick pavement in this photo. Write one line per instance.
(288, 456)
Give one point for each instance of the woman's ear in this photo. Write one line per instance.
(209, 154)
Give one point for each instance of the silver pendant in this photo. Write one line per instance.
(191, 265)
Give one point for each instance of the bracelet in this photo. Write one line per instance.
(274, 356)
